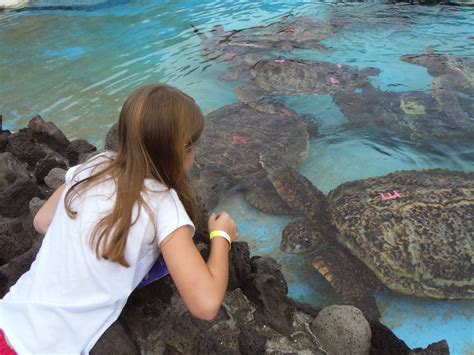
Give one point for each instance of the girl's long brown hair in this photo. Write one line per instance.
(158, 124)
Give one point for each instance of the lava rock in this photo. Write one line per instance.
(78, 149)
(14, 240)
(25, 148)
(111, 139)
(343, 330)
(45, 165)
(11, 169)
(55, 178)
(273, 307)
(438, 348)
(239, 264)
(35, 204)
(385, 342)
(15, 199)
(4, 140)
(48, 133)
(266, 265)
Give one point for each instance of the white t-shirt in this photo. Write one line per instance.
(69, 297)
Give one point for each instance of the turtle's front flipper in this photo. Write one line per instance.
(295, 189)
(349, 279)
(255, 98)
(264, 197)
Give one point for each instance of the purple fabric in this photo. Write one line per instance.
(157, 271)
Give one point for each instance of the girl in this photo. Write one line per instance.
(106, 226)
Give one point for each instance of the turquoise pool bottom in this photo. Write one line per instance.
(417, 321)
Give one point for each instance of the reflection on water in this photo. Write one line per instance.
(75, 68)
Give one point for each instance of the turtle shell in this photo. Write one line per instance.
(236, 135)
(413, 229)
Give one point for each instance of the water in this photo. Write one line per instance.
(75, 68)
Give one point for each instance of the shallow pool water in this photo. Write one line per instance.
(75, 68)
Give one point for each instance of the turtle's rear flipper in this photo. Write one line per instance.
(348, 278)
(264, 197)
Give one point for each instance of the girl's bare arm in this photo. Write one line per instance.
(45, 214)
(201, 285)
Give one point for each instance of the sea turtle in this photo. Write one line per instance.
(285, 34)
(409, 231)
(228, 152)
(293, 77)
(452, 74)
(412, 114)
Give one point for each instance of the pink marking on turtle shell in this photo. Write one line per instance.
(290, 30)
(339, 66)
(334, 81)
(283, 112)
(279, 60)
(390, 195)
(239, 139)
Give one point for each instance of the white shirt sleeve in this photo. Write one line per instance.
(70, 174)
(171, 215)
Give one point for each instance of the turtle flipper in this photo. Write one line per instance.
(253, 96)
(295, 189)
(264, 197)
(349, 279)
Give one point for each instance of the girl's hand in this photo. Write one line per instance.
(222, 221)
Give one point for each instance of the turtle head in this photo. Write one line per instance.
(300, 237)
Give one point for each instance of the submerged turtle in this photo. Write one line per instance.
(451, 74)
(285, 34)
(413, 114)
(228, 152)
(293, 77)
(409, 231)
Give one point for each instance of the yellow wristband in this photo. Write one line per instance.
(221, 234)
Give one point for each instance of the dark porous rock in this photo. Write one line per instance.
(265, 265)
(35, 204)
(4, 140)
(239, 264)
(48, 133)
(251, 342)
(45, 165)
(15, 199)
(438, 348)
(273, 308)
(55, 178)
(111, 139)
(11, 271)
(77, 150)
(160, 328)
(11, 169)
(116, 340)
(385, 342)
(25, 148)
(14, 240)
